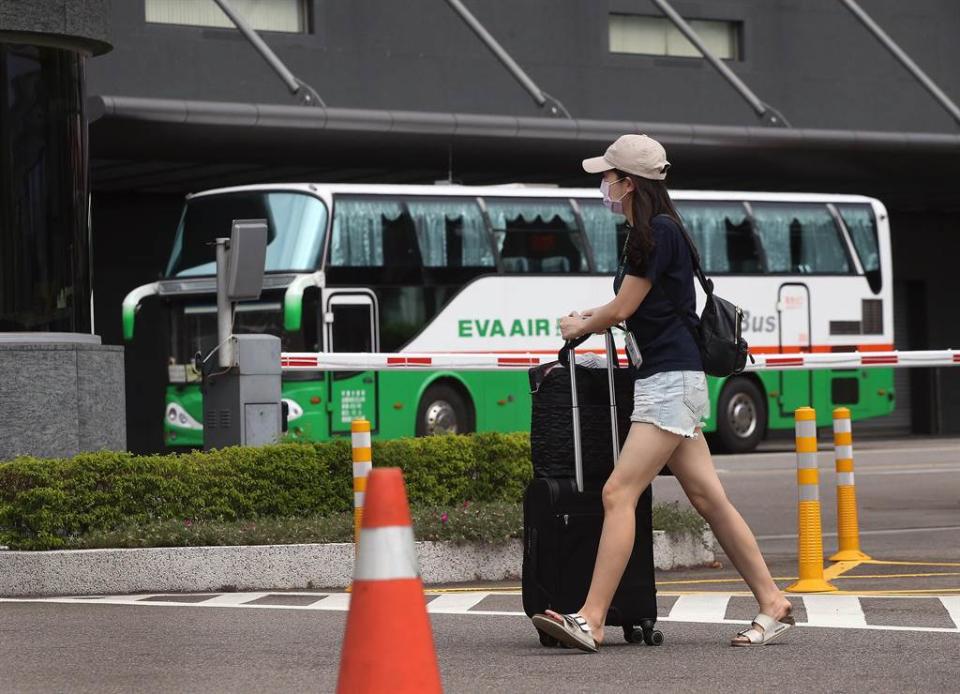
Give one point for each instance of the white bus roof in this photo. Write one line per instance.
(522, 191)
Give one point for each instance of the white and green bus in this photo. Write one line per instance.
(386, 268)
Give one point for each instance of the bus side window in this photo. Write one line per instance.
(723, 236)
(452, 233)
(377, 235)
(606, 233)
(743, 255)
(862, 225)
(800, 238)
(537, 236)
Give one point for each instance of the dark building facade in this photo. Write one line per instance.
(412, 95)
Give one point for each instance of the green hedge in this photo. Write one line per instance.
(43, 503)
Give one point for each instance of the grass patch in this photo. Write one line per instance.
(490, 522)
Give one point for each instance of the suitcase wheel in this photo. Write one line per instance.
(547, 640)
(644, 633)
(653, 637)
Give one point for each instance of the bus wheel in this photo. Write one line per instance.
(741, 416)
(443, 410)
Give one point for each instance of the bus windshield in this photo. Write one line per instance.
(296, 224)
(193, 327)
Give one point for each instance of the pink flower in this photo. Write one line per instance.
(443, 518)
(187, 522)
(466, 504)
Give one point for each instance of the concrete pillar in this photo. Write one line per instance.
(59, 387)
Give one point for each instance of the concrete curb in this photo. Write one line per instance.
(275, 567)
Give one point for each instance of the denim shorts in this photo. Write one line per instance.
(675, 401)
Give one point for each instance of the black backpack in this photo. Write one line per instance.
(722, 348)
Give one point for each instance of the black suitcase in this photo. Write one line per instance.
(562, 508)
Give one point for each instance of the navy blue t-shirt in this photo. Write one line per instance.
(664, 339)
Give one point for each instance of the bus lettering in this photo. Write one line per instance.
(759, 324)
(494, 327)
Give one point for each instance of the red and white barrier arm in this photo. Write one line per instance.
(493, 361)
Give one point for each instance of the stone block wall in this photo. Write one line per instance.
(58, 399)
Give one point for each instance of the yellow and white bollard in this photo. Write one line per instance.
(810, 538)
(362, 463)
(848, 529)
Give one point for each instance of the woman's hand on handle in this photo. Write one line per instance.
(571, 326)
(632, 293)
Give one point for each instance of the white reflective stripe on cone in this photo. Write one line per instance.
(358, 499)
(807, 461)
(844, 479)
(362, 469)
(807, 428)
(843, 452)
(361, 439)
(386, 553)
(809, 492)
(842, 425)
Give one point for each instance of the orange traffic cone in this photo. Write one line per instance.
(388, 645)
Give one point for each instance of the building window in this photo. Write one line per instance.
(658, 36)
(263, 15)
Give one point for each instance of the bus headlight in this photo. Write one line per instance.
(294, 410)
(179, 417)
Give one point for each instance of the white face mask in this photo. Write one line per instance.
(615, 206)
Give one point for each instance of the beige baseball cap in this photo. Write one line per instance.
(634, 154)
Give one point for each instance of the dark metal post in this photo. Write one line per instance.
(904, 59)
(763, 110)
(307, 94)
(542, 99)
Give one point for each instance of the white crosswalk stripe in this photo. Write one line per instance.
(703, 607)
(952, 603)
(455, 603)
(834, 610)
(822, 611)
(334, 601)
(234, 598)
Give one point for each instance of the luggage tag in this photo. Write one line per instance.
(633, 351)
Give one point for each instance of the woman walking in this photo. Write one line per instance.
(653, 286)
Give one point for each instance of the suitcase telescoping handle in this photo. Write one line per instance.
(568, 355)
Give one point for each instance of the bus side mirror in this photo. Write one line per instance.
(131, 304)
(293, 299)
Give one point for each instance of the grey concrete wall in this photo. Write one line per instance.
(83, 24)
(58, 399)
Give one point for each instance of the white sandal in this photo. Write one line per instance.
(571, 630)
(769, 629)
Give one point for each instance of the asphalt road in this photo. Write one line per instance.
(111, 648)
(909, 492)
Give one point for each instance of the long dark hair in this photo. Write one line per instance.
(650, 198)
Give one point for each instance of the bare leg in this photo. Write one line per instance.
(645, 452)
(694, 470)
